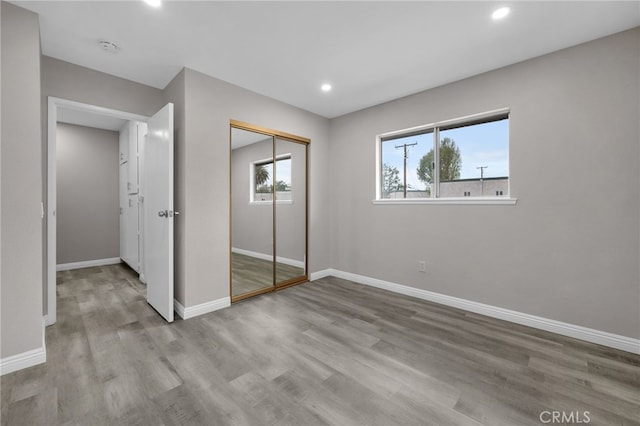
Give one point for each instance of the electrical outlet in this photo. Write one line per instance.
(422, 266)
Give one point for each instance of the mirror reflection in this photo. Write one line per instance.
(291, 194)
(268, 212)
(251, 212)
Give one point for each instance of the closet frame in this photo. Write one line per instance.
(274, 134)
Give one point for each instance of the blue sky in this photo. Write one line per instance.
(485, 144)
(283, 171)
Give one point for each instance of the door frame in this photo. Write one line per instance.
(53, 104)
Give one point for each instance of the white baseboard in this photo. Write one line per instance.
(47, 322)
(321, 274)
(279, 259)
(604, 338)
(201, 309)
(25, 359)
(88, 264)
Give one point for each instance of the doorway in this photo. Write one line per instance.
(269, 204)
(157, 228)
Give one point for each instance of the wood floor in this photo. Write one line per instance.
(329, 352)
(251, 274)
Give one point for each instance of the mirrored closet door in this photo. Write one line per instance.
(268, 210)
(291, 224)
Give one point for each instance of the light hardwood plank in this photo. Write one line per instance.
(329, 352)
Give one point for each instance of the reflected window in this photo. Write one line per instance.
(263, 179)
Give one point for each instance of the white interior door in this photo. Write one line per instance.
(158, 211)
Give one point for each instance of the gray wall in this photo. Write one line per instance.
(87, 212)
(252, 224)
(569, 249)
(68, 81)
(209, 104)
(21, 183)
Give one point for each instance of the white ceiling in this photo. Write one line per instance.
(371, 52)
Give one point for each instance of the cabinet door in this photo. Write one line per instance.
(124, 144)
(133, 181)
(142, 132)
(123, 211)
(132, 233)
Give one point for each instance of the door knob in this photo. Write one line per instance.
(163, 213)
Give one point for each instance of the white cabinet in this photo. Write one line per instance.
(124, 144)
(131, 241)
(122, 196)
(135, 141)
(131, 142)
(131, 136)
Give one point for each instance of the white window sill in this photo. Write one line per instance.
(269, 202)
(451, 201)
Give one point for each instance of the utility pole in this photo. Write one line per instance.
(405, 146)
(482, 178)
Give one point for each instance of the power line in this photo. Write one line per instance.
(405, 146)
(482, 178)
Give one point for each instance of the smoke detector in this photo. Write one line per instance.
(108, 46)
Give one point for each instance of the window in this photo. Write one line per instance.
(262, 180)
(400, 165)
(460, 158)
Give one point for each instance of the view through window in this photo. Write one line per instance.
(466, 159)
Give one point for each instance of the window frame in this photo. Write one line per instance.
(252, 179)
(435, 128)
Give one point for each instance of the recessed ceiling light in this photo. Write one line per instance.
(500, 13)
(108, 46)
(325, 87)
(154, 3)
